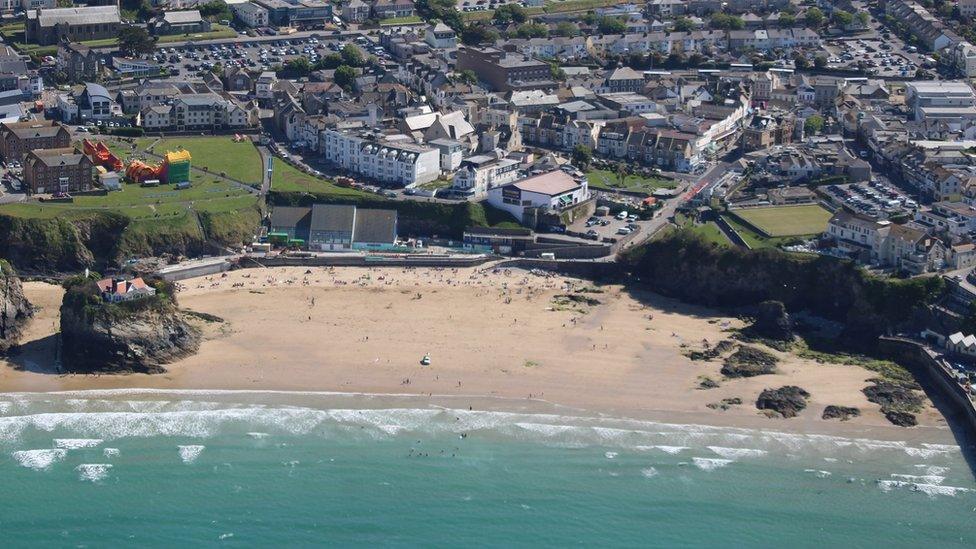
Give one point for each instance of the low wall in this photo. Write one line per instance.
(192, 271)
(917, 358)
(355, 260)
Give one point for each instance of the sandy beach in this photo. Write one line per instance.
(489, 333)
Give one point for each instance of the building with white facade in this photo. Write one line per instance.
(478, 174)
(550, 192)
(251, 14)
(205, 111)
(921, 95)
(382, 158)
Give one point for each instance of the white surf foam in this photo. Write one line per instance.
(39, 460)
(649, 472)
(933, 469)
(93, 472)
(710, 464)
(736, 453)
(76, 443)
(673, 450)
(818, 473)
(930, 490)
(923, 479)
(258, 435)
(110, 452)
(191, 452)
(610, 455)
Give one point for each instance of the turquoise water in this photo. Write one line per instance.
(158, 469)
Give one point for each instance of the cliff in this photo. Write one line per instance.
(78, 239)
(15, 310)
(132, 336)
(684, 266)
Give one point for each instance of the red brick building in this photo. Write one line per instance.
(19, 138)
(57, 170)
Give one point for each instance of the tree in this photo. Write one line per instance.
(345, 77)
(814, 124)
(842, 18)
(328, 62)
(696, 59)
(611, 25)
(297, 67)
(476, 33)
(820, 61)
(725, 21)
(800, 61)
(532, 30)
(352, 56)
(509, 13)
(814, 18)
(683, 24)
(468, 76)
(135, 41)
(786, 19)
(215, 10)
(863, 18)
(557, 73)
(567, 29)
(582, 156)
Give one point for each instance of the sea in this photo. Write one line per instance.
(151, 468)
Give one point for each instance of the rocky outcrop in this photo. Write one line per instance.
(135, 336)
(773, 322)
(787, 401)
(749, 362)
(15, 309)
(899, 401)
(686, 267)
(901, 419)
(842, 413)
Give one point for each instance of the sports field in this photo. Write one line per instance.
(787, 220)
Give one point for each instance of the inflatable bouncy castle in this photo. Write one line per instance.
(175, 168)
(101, 156)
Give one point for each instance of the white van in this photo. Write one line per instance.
(622, 215)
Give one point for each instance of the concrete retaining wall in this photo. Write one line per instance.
(366, 261)
(916, 357)
(585, 269)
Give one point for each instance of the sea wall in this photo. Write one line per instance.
(920, 361)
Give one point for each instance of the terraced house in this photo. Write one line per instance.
(206, 111)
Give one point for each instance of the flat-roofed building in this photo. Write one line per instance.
(937, 93)
(550, 192)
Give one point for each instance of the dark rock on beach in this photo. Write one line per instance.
(749, 362)
(842, 413)
(773, 322)
(787, 401)
(901, 419)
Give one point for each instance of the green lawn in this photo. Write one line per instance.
(709, 231)
(787, 220)
(220, 154)
(751, 237)
(435, 184)
(216, 31)
(607, 180)
(287, 178)
(413, 19)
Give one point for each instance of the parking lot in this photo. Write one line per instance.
(258, 55)
(609, 226)
(875, 199)
(876, 57)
